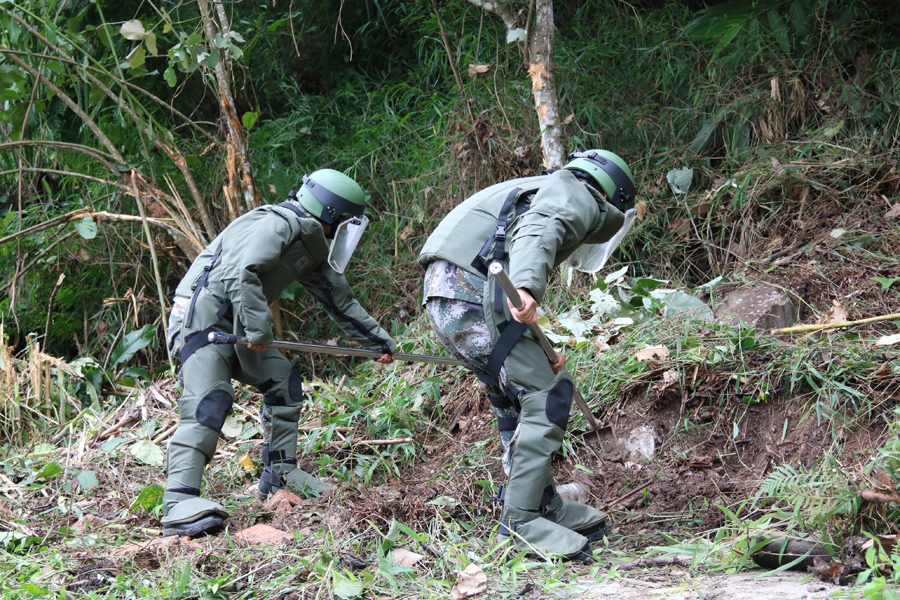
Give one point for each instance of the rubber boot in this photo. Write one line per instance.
(580, 518)
(542, 425)
(279, 417)
(192, 447)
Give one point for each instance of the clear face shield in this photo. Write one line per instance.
(346, 238)
(590, 258)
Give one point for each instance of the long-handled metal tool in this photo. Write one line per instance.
(218, 337)
(503, 279)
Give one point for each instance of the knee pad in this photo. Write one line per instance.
(295, 386)
(289, 393)
(559, 402)
(213, 409)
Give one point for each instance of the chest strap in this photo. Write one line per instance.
(202, 283)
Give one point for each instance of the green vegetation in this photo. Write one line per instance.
(787, 112)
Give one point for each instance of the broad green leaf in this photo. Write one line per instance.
(87, 228)
(51, 469)
(167, 28)
(149, 498)
(213, 59)
(133, 30)
(111, 446)
(87, 480)
(615, 275)
(150, 40)
(232, 426)
(234, 36)
(136, 57)
(516, 35)
(886, 282)
(249, 119)
(148, 453)
(347, 588)
(680, 304)
(170, 77)
(779, 30)
(680, 179)
(43, 450)
(132, 342)
(234, 52)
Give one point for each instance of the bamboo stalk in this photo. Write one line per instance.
(385, 442)
(821, 326)
(159, 289)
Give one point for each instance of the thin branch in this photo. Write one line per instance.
(155, 261)
(62, 277)
(69, 60)
(69, 102)
(68, 173)
(107, 160)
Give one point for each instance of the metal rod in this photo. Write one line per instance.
(218, 337)
(496, 269)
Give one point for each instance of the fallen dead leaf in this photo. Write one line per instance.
(836, 314)
(652, 353)
(888, 340)
(894, 213)
(470, 582)
(669, 378)
(476, 70)
(401, 557)
(642, 210)
(247, 464)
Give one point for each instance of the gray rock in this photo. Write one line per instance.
(764, 308)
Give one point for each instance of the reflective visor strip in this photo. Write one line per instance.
(624, 185)
(334, 205)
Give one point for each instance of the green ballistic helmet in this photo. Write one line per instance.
(330, 196)
(610, 172)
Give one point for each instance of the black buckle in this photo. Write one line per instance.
(501, 494)
(500, 234)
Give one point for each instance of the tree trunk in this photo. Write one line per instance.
(540, 67)
(543, 84)
(240, 173)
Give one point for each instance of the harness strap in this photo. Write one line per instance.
(293, 207)
(507, 423)
(202, 283)
(225, 309)
(194, 342)
(510, 332)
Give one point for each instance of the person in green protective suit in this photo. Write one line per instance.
(531, 225)
(228, 288)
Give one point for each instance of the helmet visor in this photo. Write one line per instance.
(590, 258)
(346, 238)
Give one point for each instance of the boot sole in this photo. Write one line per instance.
(208, 525)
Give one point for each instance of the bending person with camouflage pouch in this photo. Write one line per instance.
(229, 287)
(530, 225)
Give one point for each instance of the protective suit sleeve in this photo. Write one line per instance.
(333, 291)
(562, 214)
(256, 258)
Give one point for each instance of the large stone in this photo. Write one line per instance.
(262, 535)
(764, 308)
